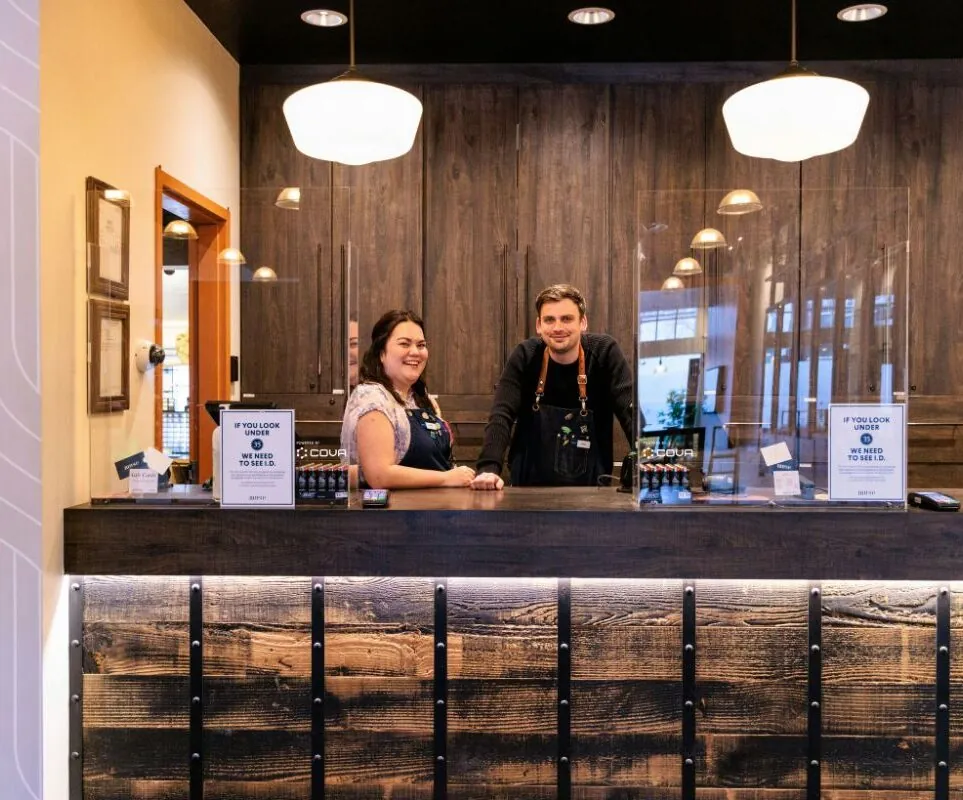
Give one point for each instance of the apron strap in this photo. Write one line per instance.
(582, 381)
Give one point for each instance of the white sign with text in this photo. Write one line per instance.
(867, 452)
(257, 459)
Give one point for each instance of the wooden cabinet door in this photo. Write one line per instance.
(470, 198)
(563, 195)
(377, 214)
(280, 325)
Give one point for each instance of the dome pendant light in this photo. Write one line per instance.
(796, 115)
(687, 266)
(353, 120)
(708, 239)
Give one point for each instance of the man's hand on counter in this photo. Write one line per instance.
(487, 481)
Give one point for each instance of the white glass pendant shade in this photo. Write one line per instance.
(289, 198)
(795, 116)
(739, 201)
(672, 284)
(708, 239)
(179, 229)
(264, 275)
(231, 255)
(352, 120)
(687, 266)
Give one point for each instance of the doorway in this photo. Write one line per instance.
(192, 322)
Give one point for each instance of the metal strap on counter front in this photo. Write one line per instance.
(197, 688)
(814, 725)
(942, 694)
(76, 680)
(688, 690)
(317, 688)
(564, 755)
(441, 689)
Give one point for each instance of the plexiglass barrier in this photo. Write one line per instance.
(772, 349)
(240, 303)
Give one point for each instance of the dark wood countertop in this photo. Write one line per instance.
(515, 533)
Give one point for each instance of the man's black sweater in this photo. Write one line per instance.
(609, 393)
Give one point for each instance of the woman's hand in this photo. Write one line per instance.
(458, 477)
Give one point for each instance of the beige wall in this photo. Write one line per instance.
(126, 85)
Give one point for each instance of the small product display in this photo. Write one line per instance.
(319, 475)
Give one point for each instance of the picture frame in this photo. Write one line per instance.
(109, 369)
(108, 241)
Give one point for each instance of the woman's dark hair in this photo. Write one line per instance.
(373, 371)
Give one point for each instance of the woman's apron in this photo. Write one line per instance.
(560, 449)
(430, 446)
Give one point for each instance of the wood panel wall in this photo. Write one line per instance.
(510, 187)
(878, 689)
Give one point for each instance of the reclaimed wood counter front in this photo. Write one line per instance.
(515, 533)
(532, 645)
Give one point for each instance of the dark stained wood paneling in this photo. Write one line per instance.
(502, 662)
(377, 208)
(257, 670)
(535, 533)
(379, 651)
(281, 333)
(563, 195)
(751, 683)
(125, 789)
(470, 297)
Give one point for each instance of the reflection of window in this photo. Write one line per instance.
(667, 323)
(883, 310)
(827, 312)
(807, 322)
(787, 318)
(771, 321)
(849, 316)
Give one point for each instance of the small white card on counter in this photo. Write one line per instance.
(142, 481)
(157, 461)
(785, 482)
(775, 453)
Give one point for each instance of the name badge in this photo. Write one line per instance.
(433, 426)
(583, 444)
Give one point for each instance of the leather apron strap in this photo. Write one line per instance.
(582, 381)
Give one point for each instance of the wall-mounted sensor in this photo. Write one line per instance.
(148, 355)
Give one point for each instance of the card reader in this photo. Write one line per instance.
(935, 501)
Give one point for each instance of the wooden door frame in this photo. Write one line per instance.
(209, 311)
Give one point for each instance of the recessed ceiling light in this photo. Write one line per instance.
(591, 16)
(324, 18)
(863, 12)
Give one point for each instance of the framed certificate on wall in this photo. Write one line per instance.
(108, 378)
(108, 240)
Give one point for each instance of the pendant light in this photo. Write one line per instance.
(708, 239)
(264, 275)
(739, 201)
(179, 229)
(352, 120)
(687, 266)
(796, 115)
(289, 198)
(673, 284)
(231, 256)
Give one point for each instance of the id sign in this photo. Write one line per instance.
(257, 459)
(867, 452)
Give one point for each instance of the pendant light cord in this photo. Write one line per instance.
(351, 66)
(793, 60)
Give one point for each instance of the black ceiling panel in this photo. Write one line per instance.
(538, 31)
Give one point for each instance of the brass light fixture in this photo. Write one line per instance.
(289, 198)
(708, 239)
(264, 275)
(120, 197)
(179, 229)
(687, 266)
(672, 284)
(231, 255)
(739, 201)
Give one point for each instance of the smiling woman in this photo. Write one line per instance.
(392, 429)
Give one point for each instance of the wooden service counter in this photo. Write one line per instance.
(523, 644)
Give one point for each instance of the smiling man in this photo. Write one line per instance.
(560, 390)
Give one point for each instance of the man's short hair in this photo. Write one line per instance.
(557, 292)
